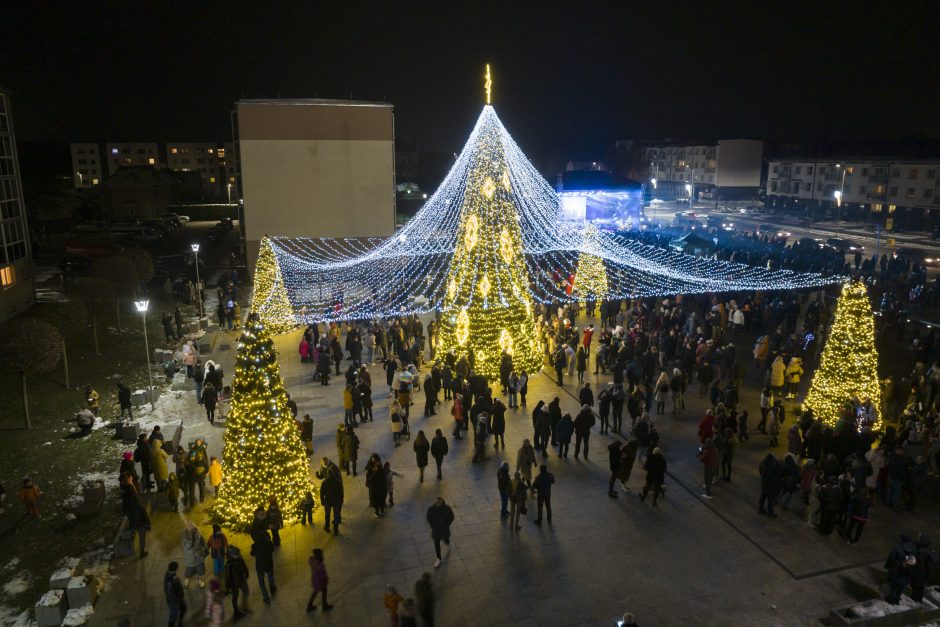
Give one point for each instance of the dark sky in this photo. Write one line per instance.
(576, 75)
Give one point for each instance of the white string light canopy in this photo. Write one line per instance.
(340, 279)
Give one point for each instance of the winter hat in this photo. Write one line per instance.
(128, 455)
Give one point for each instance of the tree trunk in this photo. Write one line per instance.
(29, 425)
(65, 361)
(117, 308)
(94, 330)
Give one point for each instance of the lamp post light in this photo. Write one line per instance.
(228, 188)
(81, 179)
(838, 196)
(142, 308)
(690, 186)
(653, 201)
(195, 248)
(688, 189)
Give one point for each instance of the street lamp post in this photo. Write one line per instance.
(690, 186)
(228, 188)
(195, 248)
(653, 201)
(838, 196)
(81, 179)
(142, 308)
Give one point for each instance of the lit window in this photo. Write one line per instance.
(231, 179)
(173, 150)
(221, 152)
(212, 179)
(151, 161)
(7, 276)
(114, 151)
(94, 181)
(211, 151)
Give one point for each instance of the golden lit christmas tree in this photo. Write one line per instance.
(590, 281)
(487, 306)
(262, 455)
(269, 296)
(849, 362)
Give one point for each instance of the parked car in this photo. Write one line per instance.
(772, 230)
(844, 245)
(687, 220)
(179, 218)
(719, 222)
(809, 241)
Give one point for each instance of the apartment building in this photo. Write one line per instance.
(17, 290)
(884, 188)
(93, 162)
(729, 169)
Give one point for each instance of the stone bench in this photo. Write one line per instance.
(880, 613)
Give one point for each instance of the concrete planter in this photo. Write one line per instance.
(51, 608)
(128, 432)
(82, 591)
(879, 613)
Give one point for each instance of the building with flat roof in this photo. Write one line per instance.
(315, 168)
(883, 190)
(17, 289)
(729, 169)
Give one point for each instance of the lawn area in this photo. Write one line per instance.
(58, 464)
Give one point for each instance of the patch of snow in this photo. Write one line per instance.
(878, 608)
(18, 584)
(52, 598)
(15, 618)
(47, 443)
(110, 479)
(170, 409)
(78, 616)
(10, 565)
(73, 502)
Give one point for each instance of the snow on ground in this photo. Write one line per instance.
(18, 584)
(171, 409)
(15, 618)
(78, 616)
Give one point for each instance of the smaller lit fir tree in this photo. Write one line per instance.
(849, 362)
(262, 455)
(590, 281)
(269, 296)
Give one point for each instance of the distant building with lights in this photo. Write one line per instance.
(92, 163)
(17, 289)
(886, 191)
(729, 169)
(315, 168)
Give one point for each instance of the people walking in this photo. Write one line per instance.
(440, 516)
(771, 478)
(235, 577)
(655, 467)
(582, 430)
(174, 594)
(525, 461)
(709, 458)
(502, 485)
(263, 551)
(318, 580)
(421, 448)
(518, 494)
(331, 497)
(424, 600)
(439, 450)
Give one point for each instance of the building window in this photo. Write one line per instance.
(893, 191)
(173, 150)
(806, 187)
(911, 192)
(861, 189)
(151, 161)
(231, 179)
(931, 174)
(809, 169)
(141, 151)
(7, 276)
(221, 152)
(773, 186)
(94, 181)
(114, 151)
(82, 161)
(928, 193)
(80, 151)
(912, 174)
(212, 179)
(896, 172)
(864, 171)
(797, 169)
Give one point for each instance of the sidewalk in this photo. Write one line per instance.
(688, 561)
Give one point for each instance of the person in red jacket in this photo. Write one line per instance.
(709, 458)
(706, 428)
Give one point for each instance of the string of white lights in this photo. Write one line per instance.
(331, 279)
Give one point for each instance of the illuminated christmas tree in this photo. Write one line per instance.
(269, 296)
(262, 455)
(591, 279)
(849, 362)
(487, 305)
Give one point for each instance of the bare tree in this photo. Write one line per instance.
(94, 292)
(30, 347)
(70, 318)
(121, 273)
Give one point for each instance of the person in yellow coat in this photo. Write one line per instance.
(215, 474)
(793, 373)
(777, 370)
(91, 397)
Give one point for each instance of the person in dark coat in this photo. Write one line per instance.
(505, 369)
(323, 367)
(235, 578)
(421, 447)
(900, 566)
(440, 517)
(175, 595)
(554, 415)
(543, 432)
(542, 486)
(143, 457)
(377, 483)
(331, 497)
(563, 431)
(927, 561)
(210, 398)
(139, 523)
(613, 456)
(349, 455)
(439, 450)
(771, 479)
(124, 400)
(830, 505)
(498, 424)
(586, 395)
(603, 400)
(655, 467)
(582, 430)
(263, 552)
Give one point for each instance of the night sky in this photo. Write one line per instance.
(570, 75)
